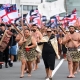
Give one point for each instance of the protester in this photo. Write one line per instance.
(62, 48)
(48, 54)
(38, 36)
(1, 53)
(79, 67)
(73, 55)
(27, 51)
(12, 45)
(5, 43)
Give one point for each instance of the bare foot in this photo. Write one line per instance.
(34, 69)
(29, 75)
(79, 70)
(25, 71)
(21, 76)
(75, 72)
(71, 76)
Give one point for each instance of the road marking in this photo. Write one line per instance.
(55, 70)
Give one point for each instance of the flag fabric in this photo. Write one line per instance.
(38, 20)
(48, 24)
(69, 19)
(43, 18)
(10, 13)
(58, 17)
(6, 5)
(2, 13)
(73, 17)
(11, 9)
(17, 19)
(53, 21)
(77, 23)
(2, 10)
(74, 11)
(34, 16)
(3, 6)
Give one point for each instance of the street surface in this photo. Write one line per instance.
(60, 72)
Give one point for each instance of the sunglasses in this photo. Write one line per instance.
(48, 31)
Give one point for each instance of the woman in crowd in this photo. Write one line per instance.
(27, 51)
(48, 54)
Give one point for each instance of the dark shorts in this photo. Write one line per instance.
(49, 61)
(1, 56)
(64, 49)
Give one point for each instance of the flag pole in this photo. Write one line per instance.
(44, 0)
(22, 11)
(66, 7)
(11, 1)
(66, 12)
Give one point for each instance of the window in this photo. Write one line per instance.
(20, 7)
(34, 7)
(25, 7)
(50, 0)
(29, 7)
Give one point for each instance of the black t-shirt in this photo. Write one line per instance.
(12, 39)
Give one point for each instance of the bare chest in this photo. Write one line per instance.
(74, 37)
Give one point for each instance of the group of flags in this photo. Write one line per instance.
(67, 20)
(8, 13)
(34, 17)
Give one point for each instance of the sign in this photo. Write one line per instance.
(52, 8)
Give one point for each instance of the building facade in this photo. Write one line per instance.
(26, 5)
(70, 5)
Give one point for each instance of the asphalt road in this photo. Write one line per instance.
(60, 72)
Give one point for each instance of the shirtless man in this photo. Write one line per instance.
(38, 36)
(72, 41)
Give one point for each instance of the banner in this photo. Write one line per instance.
(51, 8)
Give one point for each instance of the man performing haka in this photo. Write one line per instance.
(72, 41)
(38, 36)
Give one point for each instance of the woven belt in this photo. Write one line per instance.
(72, 49)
